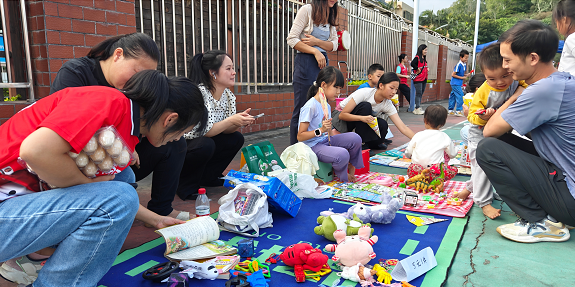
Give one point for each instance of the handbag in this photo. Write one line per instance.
(262, 158)
(244, 210)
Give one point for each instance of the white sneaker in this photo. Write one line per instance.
(418, 111)
(459, 114)
(26, 274)
(531, 232)
(451, 112)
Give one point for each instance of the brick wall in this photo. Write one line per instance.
(61, 30)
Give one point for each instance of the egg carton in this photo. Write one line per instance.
(104, 153)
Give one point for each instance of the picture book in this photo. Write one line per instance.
(195, 239)
(382, 160)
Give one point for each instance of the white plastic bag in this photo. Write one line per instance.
(302, 185)
(255, 217)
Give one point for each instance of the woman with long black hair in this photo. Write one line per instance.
(419, 66)
(211, 149)
(313, 34)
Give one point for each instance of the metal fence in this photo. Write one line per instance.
(16, 49)
(432, 57)
(376, 38)
(254, 32)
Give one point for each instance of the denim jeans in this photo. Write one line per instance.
(419, 90)
(87, 222)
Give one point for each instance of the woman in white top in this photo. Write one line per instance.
(211, 148)
(365, 105)
(564, 17)
(312, 34)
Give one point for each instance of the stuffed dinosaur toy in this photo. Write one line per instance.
(329, 224)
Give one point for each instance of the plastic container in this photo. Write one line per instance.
(202, 203)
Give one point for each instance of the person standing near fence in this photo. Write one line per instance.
(313, 34)
(403, 73)
(419, 65)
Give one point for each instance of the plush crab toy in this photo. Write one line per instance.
(351, 250)
(302, 256)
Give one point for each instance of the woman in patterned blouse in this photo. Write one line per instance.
(211, 148)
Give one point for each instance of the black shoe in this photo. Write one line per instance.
(364, 147)
(387, 142)
(380, 146)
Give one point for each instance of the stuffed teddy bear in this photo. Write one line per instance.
(333, 222)
(382, 213)
(351, 250)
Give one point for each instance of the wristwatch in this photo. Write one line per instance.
(317, 132)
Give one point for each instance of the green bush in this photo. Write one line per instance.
(356, 82)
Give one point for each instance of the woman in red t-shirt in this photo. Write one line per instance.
(419, 65)
(403, 73)
(88, 219)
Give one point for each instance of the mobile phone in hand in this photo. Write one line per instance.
(259, 116)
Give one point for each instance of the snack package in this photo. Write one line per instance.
(106, 153)
(375, 126)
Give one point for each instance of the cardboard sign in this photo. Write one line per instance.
(414, 265)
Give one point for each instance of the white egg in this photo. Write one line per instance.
(82, 160)
(123, 159)
(91, 146)
(73, 154)
(116, 148)
(106, 138)
(99, 155)
(90, 169)
(107, 164)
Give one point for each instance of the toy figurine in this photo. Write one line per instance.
(206, 270)
(351, 250)
(333, 222)
(302, 256)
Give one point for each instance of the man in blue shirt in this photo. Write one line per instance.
(457, 76)
(539, 189)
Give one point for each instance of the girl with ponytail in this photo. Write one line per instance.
(211, 149)
(364, 106)
(343, 151)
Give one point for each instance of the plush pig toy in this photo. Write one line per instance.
(351, 250)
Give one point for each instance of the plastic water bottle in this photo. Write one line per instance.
(202, 203)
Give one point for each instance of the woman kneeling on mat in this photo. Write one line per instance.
(211, 150)
(343, 151)
(364, 106)
(87, 218)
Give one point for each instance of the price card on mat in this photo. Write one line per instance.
(414, 265)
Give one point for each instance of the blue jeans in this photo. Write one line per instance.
(87, 222)
(456, 97)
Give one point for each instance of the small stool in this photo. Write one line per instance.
(325, 171)
(365, 157)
